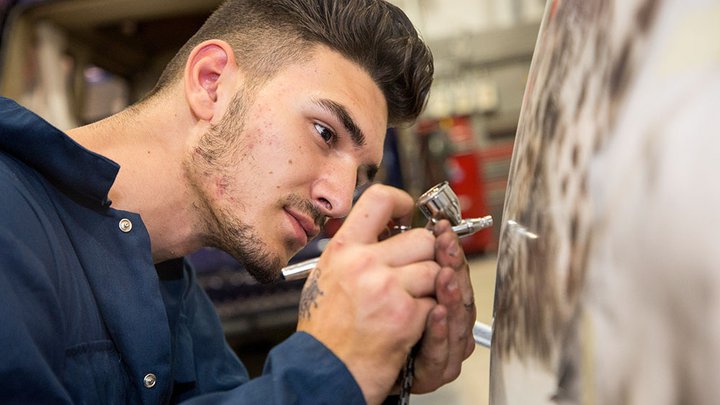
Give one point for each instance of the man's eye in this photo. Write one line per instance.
(326, 134)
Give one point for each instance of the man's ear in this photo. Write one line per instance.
(209, 73)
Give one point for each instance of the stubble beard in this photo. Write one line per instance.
(243, 242)
(217, 153)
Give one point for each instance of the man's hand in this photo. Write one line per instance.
(369, 301)
(448, 336)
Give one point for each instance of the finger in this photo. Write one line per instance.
(374, 209)
(469, 348)
(442, 226)
(408, 247)
(423, 306)
(418, 279)
(460, 320)
(449, 252)
(432, 357)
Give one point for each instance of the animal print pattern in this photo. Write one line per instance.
(602, 90)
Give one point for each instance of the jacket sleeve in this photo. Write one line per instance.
(30, 353)
(300, 370)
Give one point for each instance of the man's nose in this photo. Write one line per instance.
(333, 192)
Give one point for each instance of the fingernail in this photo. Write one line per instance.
(452, 286)
(452, 249)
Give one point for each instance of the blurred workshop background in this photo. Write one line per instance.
(77, 61)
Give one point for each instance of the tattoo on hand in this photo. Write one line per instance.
(310, 293)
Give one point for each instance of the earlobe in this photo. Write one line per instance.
(207, 72)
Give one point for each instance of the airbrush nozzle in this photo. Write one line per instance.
(470, 226)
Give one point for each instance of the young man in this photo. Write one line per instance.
(257, 131)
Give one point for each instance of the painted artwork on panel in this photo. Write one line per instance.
(608, 283)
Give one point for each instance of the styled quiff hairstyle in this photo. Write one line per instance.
(267, 35)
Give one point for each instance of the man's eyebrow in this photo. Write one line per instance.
(339, 111)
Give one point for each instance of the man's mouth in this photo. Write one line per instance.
(307, 224)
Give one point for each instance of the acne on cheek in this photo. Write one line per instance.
(221, 185)
(270, 173)
(265, 139)
(265, 130)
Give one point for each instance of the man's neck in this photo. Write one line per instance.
(150, 143)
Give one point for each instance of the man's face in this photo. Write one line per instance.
(286, 157)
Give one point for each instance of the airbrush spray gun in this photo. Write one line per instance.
(438, 203)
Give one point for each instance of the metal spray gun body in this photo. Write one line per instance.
(439, 202)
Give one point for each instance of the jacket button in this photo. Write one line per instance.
(149, 380)
(125, 225)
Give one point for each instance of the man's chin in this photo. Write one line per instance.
(263, 266)
(261, 261)
(264, 273)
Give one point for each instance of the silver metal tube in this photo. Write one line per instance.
(469, 226)
(466, 227)
(482, 334)
(300, 270)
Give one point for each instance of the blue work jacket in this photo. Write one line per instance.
(85, 316)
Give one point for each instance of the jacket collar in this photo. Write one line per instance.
(55, 155)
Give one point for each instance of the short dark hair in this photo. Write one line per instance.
(268, 34)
